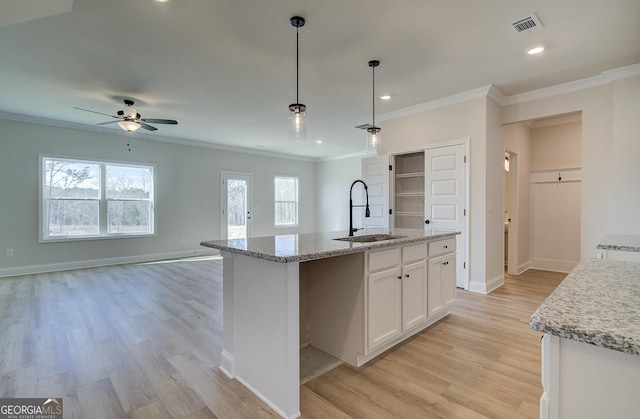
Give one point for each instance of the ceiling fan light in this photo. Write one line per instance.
(129, 126)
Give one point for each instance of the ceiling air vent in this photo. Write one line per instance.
(527, 24)
(364, 126)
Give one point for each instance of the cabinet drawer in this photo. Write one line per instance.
(383, 259)
(414, 252)
(441, 247)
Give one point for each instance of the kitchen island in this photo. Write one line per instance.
(362, 298)
(591, 345)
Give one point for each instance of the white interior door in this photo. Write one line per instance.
(446, 199)
(236, 205)
(375, 173)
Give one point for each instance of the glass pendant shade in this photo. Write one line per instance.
(297, 122)
(373, 140)
(129, 126)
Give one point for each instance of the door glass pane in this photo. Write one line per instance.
(236, 209)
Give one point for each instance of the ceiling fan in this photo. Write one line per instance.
(130, 120)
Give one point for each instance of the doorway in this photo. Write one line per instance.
(510, 212)
(236, 205)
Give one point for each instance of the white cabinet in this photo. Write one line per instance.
(396, 292)
(385, 295)
(363, 304)
(442, 275)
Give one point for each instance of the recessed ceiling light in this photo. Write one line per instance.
(385, 97)
(318, 141)
(163, 1)
(536, 49)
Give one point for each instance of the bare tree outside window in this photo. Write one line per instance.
(72, 198)
(286, 201)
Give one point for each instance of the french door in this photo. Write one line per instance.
(236, 205)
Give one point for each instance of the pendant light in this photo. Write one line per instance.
(373, 142)
(297, 125)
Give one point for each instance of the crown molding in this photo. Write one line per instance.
(150, 137)
(603, 78)
(437, 103)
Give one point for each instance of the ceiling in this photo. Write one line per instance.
(225, 69)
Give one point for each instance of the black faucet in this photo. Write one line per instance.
(366, 211)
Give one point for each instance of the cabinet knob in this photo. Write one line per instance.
(399, 276)
(446, 247)
(406, 276)
(427, 221)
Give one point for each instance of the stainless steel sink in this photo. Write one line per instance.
(370, 238)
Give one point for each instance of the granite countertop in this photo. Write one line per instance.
(301, 247)
(597, 303)
(624, 242)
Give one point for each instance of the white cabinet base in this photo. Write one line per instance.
(586, 381)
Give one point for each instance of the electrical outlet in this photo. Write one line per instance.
(9, 253)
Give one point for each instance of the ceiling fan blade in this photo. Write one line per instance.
(160, 121)
(146, 126)
(108, 122)
(100, 113)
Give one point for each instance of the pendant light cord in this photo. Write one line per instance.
(297, 66)
(373, 96)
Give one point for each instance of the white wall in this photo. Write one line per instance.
(188, 195)
(334, 178)
(610, 151)
(624, 212)
(557, 146)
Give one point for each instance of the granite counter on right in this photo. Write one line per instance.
(620, 247)
(591, 342)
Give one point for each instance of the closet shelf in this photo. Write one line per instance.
(402, 194)
(409, 214)
(409, 175)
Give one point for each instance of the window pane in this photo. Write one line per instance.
(128, 217)
(285, 213)
(72, 218)
(129, 182)
(286, 189)
(71, 179)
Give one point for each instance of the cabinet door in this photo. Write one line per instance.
(414, 294)
(384, 302)
(434, 279)
(442, 282)
(448, 280)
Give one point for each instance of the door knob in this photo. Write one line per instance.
(427, 221)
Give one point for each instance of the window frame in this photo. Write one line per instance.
(296, 202)
(102, 200)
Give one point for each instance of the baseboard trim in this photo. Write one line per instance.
(523, 267)
(553, 265)
(268, 402)
(227, 364)
(486, 287)
(94, 263)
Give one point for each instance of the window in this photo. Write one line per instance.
(89, 199)
(286, 201)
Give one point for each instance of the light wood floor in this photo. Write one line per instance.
(143, 341)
